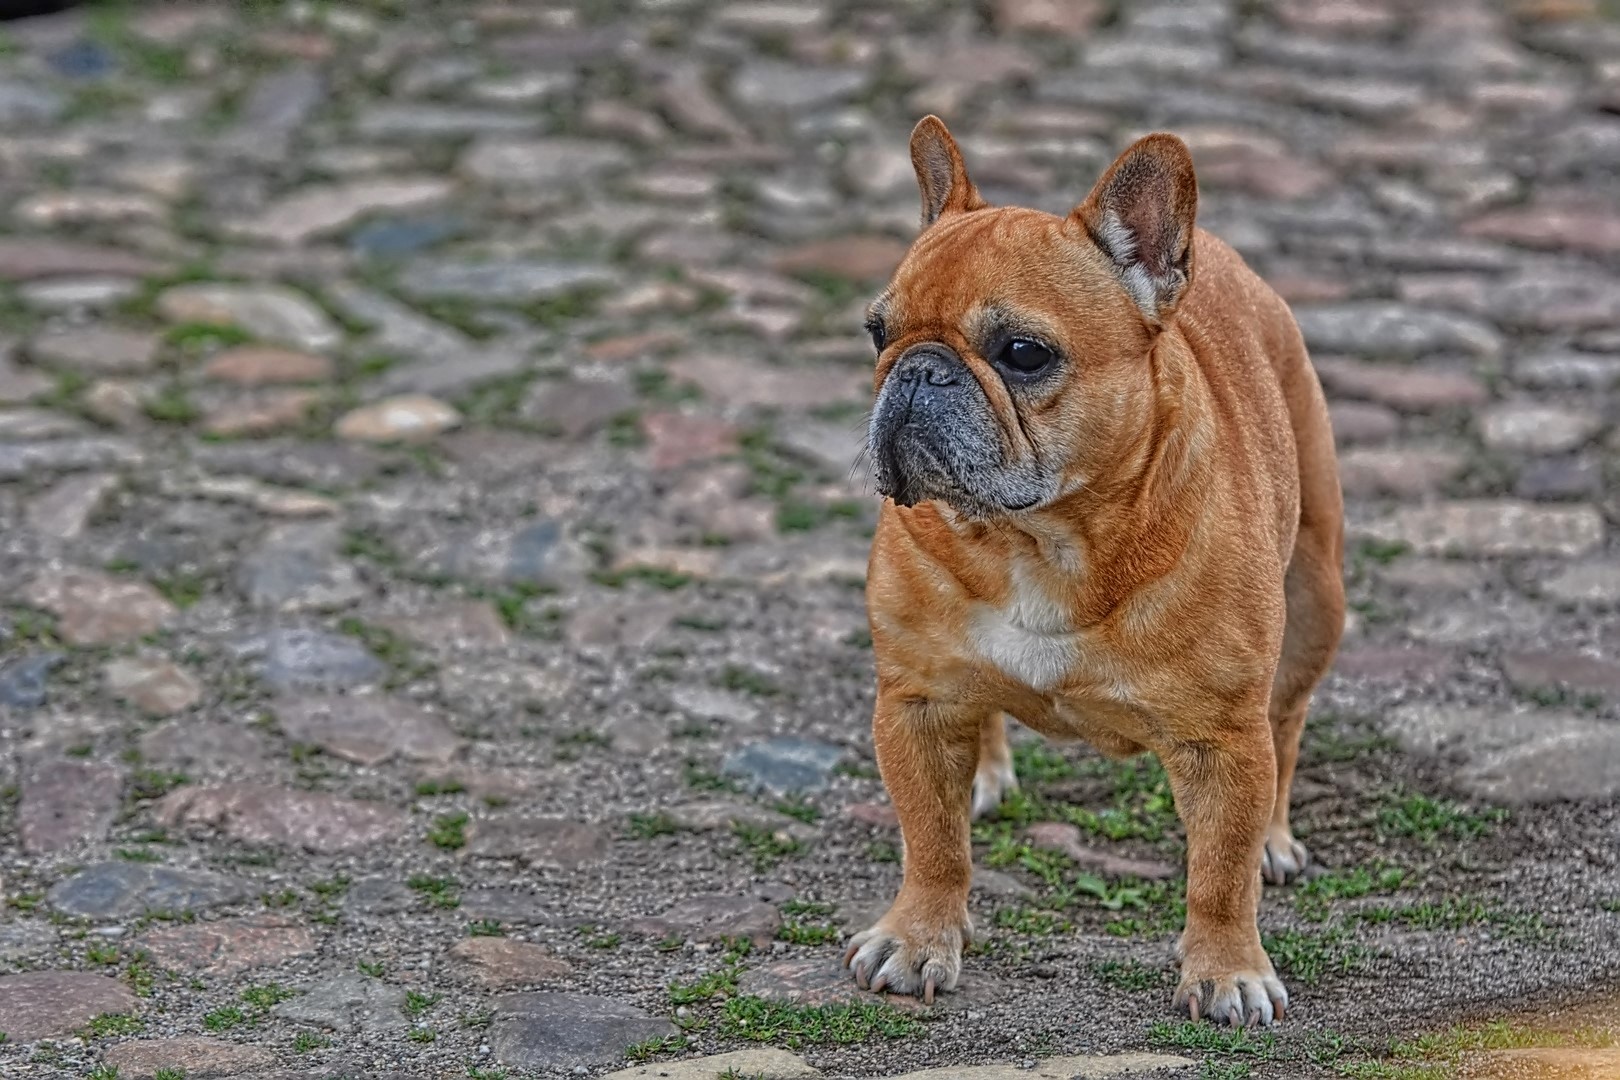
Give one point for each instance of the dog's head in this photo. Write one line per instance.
(1013, 345)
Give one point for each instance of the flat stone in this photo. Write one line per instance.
(1491, 528)
(392, 238)
(455, 626)
(86, 207)
(195, 1058)
(574, 408)
(821, 980)
(785, 765)
(379, 896)
(282, 100)
(21, 385)
(296, 658)
(763, 1063)
(1063, 837)
(1560, 479)
(273, 313)
(397, 328)
(858, 258)
(503, 281)
(37, 424)
(715, 917)
(1548, 1063)
(156, 687)
(96, 350)
(23, 678)
(283, 817)
(771, 84)
(558, 1031)
(500, 963)
(200, 747)
(1397, 664)
(31, 459)
(1406, 388)
(1516, 757)
(1085, 1067)
(410, 418)
(41, 1004)
(87, 293)
(1565, 370)
(418, 121)
(348, 1004)
(27, 104)
(1581, 229)
(368, 729)
(296, 567)
(551, 842)
(1537, 429)
(1593, 583)
(229, 946)
(511, 906)
(1072, 19)
(544, 163)
(739, 381)
(1575, 672)
(326, 208)
(263, 413)
(266, 365)
(685, 96)
(96, 609)
(1384, 329)
(65, 803)
(677, 439)
(124, 890)
(1403, 472)
(28, 259)
(64, 511)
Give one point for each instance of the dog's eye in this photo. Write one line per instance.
(879, 338)
(1025, 356)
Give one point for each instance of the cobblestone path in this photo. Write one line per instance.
(431, 628)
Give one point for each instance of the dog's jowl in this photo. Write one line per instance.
(1112, 511)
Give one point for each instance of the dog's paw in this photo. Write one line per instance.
(1241, 999)
(914, 961)
(991, 784)
(1285, 858)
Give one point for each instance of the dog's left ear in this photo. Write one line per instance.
(1141, 214)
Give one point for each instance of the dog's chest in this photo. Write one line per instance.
(1028, 637)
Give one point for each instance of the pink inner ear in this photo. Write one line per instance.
(1146, 212)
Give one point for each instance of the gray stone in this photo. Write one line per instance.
(431, 122)
(41, 1004)
(499, 963)
(551, 842)
(541, 162)
(29, 459)
(1567, 371)
(1491, 528)
(1381, 328)
(156, 687)
(1516, 757)
(65, 803)
(201, 747)
(326, 208)
(296, 567)
(503, 281)
(785, 765)
(1564, 479)
(715, 917)
(282, 100)
(348, 1004)
(27, 104)
(368, 729)
(226, 947)
(23, 679)
(303, 658)
(393, 238)
(124, 890)
(378, 896)
(262, 814)
(574, 408)
(1084, 1067)
(557, 1031)
(396, 328)
(273, 313)
(1565, 671)
(1593, 583)
(96, 350)
(514, 906)
(1537, 429)
(774, 85)
(64, 511)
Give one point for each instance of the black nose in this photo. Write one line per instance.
(931, 368)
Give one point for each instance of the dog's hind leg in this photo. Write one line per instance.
(1315, 596)
(995, 776)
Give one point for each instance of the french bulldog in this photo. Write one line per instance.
(1112, 512)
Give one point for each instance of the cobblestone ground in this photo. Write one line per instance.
(431, 561)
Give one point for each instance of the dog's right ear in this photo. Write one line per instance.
(941, 175)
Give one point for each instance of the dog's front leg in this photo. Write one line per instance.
(1224, 789)
(927, 753)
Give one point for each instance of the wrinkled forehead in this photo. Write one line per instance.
(972, 271)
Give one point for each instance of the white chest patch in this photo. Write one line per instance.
(1029, 638)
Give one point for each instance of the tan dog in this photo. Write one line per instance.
(1115, 515)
